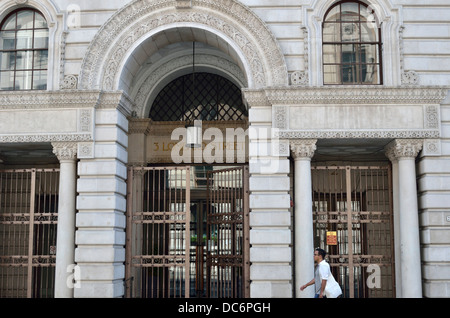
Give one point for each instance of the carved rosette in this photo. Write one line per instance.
(65, 150)
(303, 148)
(403, 148)
(70, 82)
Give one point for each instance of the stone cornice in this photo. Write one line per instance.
(355, 95)
(48, 99)
(301, 95)
(14, 100)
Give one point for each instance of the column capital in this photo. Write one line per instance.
(65, 150)
(303, 148)
(403, 148)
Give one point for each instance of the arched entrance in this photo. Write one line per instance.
(187, 228)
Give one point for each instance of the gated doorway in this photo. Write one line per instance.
(28, 224)
(187, 232)
(353, 222)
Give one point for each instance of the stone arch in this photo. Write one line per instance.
(229, 19)
(156, 78)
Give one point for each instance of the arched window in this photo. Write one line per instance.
(351, 45)
(210, 97)
(23, 51)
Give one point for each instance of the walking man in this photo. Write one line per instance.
(324, 283)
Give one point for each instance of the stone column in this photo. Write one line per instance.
(65, 241)
(405, 152)
(303, 151)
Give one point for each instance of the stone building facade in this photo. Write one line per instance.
(344, 109)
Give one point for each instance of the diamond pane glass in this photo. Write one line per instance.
(203, 96)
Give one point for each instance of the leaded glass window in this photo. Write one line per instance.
(351, 45)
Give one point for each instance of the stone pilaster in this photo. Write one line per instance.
(101, 203)
(270, 217)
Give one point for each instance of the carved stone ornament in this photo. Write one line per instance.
(280, 117)
(403, 148)
(410, 78)
(183, 4)
(299, 78)
(134, 22)
(65, 150)
(303, 148)
(70, 82)
(287, 100)
(85, 150)
(431, 147)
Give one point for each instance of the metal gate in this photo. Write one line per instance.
(157, 260)
(352, 210)
(228, 233)
(186, 237)
(28, 224)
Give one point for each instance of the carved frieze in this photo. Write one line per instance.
(48, 116)
(183, 4)
(352, 112)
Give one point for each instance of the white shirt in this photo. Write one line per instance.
(324, 270)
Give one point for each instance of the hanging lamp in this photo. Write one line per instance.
(193, 129)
